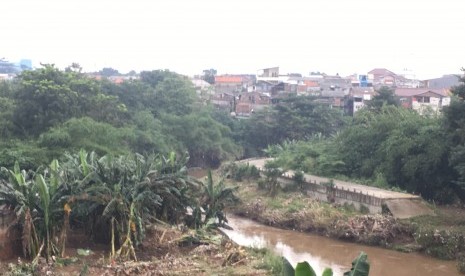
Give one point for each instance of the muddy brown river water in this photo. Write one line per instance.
(323, 252)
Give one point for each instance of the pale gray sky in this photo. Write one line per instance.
(241, 36)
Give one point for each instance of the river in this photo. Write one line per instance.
(323, 252)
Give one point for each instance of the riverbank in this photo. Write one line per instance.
(296, 211)
(441, 235)
(165, 251)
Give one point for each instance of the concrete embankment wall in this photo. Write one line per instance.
(336, 195)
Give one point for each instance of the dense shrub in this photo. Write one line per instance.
(441, 244)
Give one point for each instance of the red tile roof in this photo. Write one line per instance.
(311, 83)
(228, 79)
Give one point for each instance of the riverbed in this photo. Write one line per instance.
(323, 252)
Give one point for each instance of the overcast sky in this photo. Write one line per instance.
(241, 36)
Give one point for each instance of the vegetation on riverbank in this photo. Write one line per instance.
(441, 235)
(164, 252)
(296, 211)
(127, 204)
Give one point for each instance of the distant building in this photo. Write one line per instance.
(234, 83)
(202, 87)
(7, 67)
(248, 103)
(25, 64)
(382, 77)
(358, 98)
(423, 100)
(444, 82)
(223, 101)
(272, 72)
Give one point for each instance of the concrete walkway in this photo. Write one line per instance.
(376, 192)
(401, 205)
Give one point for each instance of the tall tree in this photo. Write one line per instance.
(454, 123)
(385, 96)
(48, 96)
(295, 118)
(108, 72)
(209, 75)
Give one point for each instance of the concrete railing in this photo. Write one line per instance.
(324, 192)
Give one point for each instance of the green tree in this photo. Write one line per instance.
(108, 72)
(47, 97)
(209, 75)
(400, 147)
(384, 96)
(454, 125)
(207, 141)
(295, 118)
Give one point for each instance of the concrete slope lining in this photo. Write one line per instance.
(407, 208)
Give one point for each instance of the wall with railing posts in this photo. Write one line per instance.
(335, 194)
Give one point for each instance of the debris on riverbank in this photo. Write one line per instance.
(161, 254)
(292, 210)
(440, 235)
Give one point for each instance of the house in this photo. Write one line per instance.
(228, 84)
(360, 81)
(404, 82)
(224, 101)
(334, 98)
(202, 87)
(335, 83)
(247, 103)
(423, 100)
(234, 83)
(444, 82)
(311, 85)
(382, 77)
(358, 98)
(272, 72)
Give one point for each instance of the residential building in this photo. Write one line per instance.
(358, 98)
(224, 101)
(272, 72)
(202, 87)
(423, 100)
(382, 77)
(234, 83)
(444, 82)
(248, 103)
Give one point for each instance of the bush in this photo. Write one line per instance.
(262, 184)
(364, 209)
(270, 261)
(441, 244)
(239, 172)
(461, 263)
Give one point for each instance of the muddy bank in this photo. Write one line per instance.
(165, 251)
(377, 230)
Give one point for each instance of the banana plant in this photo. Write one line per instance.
(215, 197)
(360, 267)
(18, 192)
(302, 269)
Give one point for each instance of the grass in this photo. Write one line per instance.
(269, 260)
(290, 209)
(441, 235)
